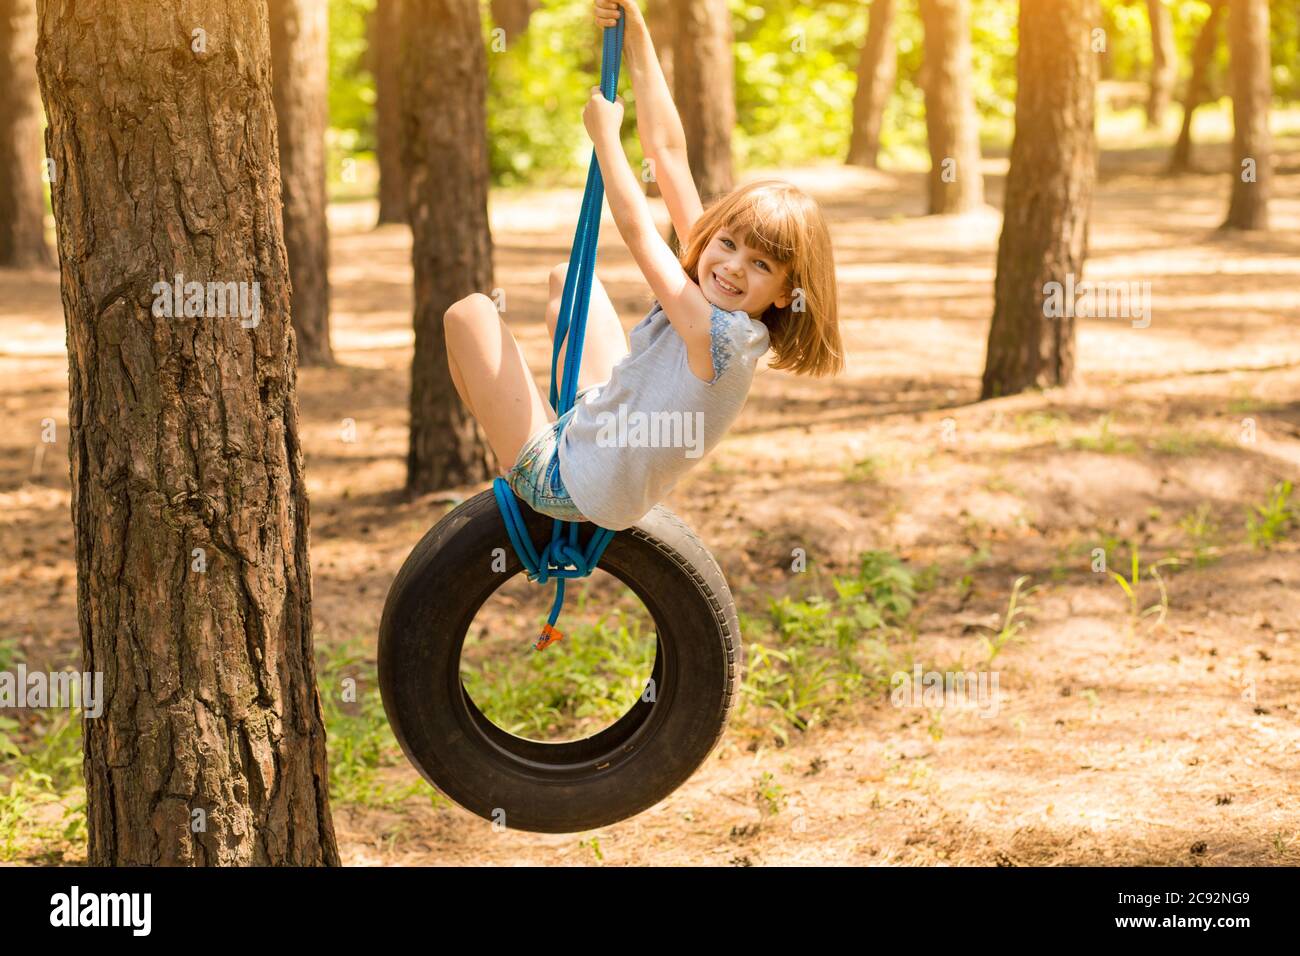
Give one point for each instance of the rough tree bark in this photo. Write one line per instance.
(955, 184)
(1198, 86)
(703, 87)
(188, 497)
(385, 52)
(1252, 92)
(876, 66)
(300, 74)
(1049, 189)
(444, 125)
(22, 200)
(1164, 61)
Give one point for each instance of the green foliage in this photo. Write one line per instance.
(578, 686)
(809, 658)
(40, 780)
(795, 76)
(1266, 524)
(361, 743)
(537, 86)
(795, 79)
(352, 84)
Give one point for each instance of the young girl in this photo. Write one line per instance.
(756, 272)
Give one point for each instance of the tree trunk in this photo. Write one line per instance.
(1049, 189)
(189, 502)
(1164, 61)
(1252, 91)
(22, 200)
(955, 184)
(660, 18)
(1197, 86)
(444, 123)
(385, 59)
(513, 16)
(875, 84)
(300, 73)
(703, 87)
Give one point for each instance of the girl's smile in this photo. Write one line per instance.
(735, 276)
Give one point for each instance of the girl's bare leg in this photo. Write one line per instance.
(489, 372)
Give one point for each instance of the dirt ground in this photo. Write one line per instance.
(1178, 746)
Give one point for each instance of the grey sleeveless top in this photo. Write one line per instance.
(629, 441)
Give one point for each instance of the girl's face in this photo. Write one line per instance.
(734, 276)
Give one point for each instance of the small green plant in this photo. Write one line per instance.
(1130, 588)
(1202, 529)
(1268, 523)
(863, 470)
(935, 728)
(769, 794)
(594, 845)
(10, 653)
(1104, 442)
(1011, 625)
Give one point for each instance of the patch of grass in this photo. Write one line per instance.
(49, 772)
(584, 683)
(810, 657)
(1183, 443)
(1268, 523)
(1130, 588)
(864, 469)
(1103, 442)
(769, 794)
(360, 741)
(1042, 423)
(1203, 530)
(10, 653)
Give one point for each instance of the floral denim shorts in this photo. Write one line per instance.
(535, 477)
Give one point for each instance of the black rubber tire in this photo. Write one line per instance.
(575, 785)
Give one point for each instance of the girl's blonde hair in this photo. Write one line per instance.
(786, 224)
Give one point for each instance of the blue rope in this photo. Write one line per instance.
(563, 557)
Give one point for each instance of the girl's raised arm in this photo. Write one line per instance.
(663, 141)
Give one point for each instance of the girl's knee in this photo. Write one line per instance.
(467, 312)
(557, 278)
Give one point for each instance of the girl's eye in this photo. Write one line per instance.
(729, 243)
(761, 264)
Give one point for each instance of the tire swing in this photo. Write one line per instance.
(659, 743)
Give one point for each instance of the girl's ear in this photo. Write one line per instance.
(786, 295)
